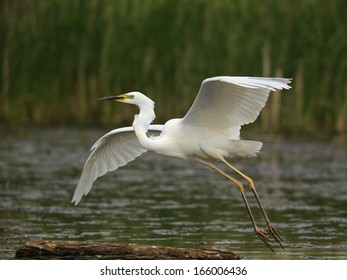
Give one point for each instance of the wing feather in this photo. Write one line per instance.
(224, 102)
(111, 151)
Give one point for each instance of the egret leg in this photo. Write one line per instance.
(272, 230)
(261, 234)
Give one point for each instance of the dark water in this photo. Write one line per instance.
(161, 201)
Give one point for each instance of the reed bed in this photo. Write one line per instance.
(59, 56)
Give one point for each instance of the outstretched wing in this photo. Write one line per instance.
(224, 102)
(111, 151)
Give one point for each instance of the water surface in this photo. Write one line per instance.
(161, 201)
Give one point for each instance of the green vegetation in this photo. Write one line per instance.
(59, 56)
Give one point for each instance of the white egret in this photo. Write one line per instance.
(209, 132)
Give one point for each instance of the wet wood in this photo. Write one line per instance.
(82, 250)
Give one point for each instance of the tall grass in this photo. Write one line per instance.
(59, 56)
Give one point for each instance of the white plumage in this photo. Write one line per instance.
(113, 150)
(210, 131)
(231, 101)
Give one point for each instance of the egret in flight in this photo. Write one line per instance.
(209, 132)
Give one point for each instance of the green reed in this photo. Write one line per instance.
(59, 56)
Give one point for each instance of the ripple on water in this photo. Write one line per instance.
(167, 202)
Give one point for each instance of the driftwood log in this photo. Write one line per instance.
(82, 250)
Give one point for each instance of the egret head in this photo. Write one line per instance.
(134, 97)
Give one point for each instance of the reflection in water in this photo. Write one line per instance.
(160, 201)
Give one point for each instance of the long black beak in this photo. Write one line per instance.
(111, 98)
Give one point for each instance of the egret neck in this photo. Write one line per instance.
(142, 121)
